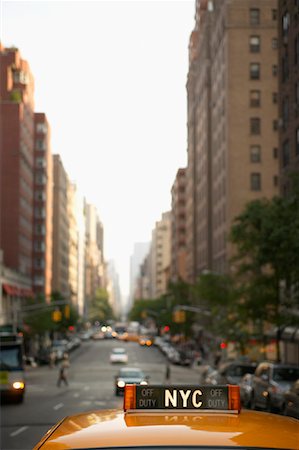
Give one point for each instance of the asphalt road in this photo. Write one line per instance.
(91, 387)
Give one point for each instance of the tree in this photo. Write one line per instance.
(217, 295)
(100, 308)
(266, 238)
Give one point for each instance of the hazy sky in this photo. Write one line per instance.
(111, 77)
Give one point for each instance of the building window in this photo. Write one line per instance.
(39, 213)
(39, 196)
(296, 105)
(254, 15)
(275, 125)
(274, 97)
(255, 98)
(274, 14)
(285, 153)
(274, 43)
(274, 70)
(285, 67)
(285, 112)
(285, 22)
(40, 179)
(255, 153)
(297, 141)
(254, 44)
(39, 263)
(40, 144)
(255, 125)
(40, 229)
(40, 162)
(41, 128)
(254, 71)
(275, 153)
(255, 181)
(275, 180)
(296, 49)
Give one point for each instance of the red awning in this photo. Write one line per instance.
(15, 291)
(10, 290)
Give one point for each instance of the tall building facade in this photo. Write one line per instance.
(113, 288)
(178, 227)
(288, 33)
(95, 270)
(160, 256)
(17, 156)
(140, 251)
(43, 208)
(60, 270)
(16, 184)
(73, 244)
(232, 122)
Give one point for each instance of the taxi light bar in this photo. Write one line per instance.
(130, 397)
(234, 400)
(182, 398)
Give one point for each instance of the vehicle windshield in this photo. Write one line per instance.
(119, 351)
(286, 374)
(239, 371)
(131, 374)
(10, 358)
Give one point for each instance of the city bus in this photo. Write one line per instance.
(12, 379)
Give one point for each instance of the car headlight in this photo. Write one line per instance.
(143, 382)
(18, 385)
(121, 383)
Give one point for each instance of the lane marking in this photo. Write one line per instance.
(20, 430)
(86, 388)
(76, 395)
(58, 406)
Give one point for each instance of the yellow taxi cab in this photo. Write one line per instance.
(176, 418)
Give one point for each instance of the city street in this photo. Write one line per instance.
(91, 378)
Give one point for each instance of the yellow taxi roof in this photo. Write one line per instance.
(114, 428)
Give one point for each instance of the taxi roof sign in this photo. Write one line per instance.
(182, 398)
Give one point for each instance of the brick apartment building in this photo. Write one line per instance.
(178, 227)
(288, 32)
(232, 123)
(17, 137)
(43, 208)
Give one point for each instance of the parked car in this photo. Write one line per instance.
(204, 370)
(43, 356)
(269, 383)
(290, 405)
(129, 375)
(98, 335)
(59, 347)
(246, 390)
(118, 355)
(85, 335)
(230, 372)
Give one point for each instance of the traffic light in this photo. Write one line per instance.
(67, 311)
(166, 329)
(56, 315)
(179, 316)
(223, 345)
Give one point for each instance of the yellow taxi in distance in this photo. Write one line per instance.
(176, 417)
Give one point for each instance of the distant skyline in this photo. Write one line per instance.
(111, 78)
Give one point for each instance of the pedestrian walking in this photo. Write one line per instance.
(62, 376)
(167, 373)
(52, 359)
